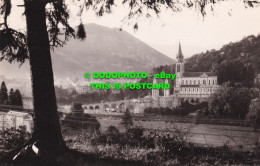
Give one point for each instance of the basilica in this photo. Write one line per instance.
(194, 87)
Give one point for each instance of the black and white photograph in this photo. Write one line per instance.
(129, 82)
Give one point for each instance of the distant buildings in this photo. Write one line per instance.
(16, 119)
(88, 89)
(194, 87)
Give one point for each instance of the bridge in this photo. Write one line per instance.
(134, 105)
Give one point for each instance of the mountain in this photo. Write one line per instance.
(105, 50)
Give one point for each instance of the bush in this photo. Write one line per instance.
(157, 148)
(81, 121)
(12, 138)
(127, 120)
(112, 135)
(185, 109)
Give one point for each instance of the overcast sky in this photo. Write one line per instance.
(229, 22)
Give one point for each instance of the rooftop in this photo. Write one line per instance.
(198, 74)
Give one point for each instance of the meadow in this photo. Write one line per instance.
(203, 134)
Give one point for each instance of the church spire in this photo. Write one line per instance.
(180, 55)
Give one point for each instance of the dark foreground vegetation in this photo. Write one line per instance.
(154, 148)
(134, 146)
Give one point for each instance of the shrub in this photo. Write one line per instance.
(132, 137)
(112, 135)
(185, 109)
(12, 138)
(81, 121)
(127, 120)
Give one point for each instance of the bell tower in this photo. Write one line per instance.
(179, 68)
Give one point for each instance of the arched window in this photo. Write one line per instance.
(204, 82)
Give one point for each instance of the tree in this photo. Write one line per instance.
(3, 93)
(121, 95)
(219, 101)
(11, 97)
(77, 109)
(127, 120)
(18, 98)
(232, 101)
(254, 112)
(42, 33)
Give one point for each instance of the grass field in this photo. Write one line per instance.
(204, 134)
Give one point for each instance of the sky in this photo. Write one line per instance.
(229, 22)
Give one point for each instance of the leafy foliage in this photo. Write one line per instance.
(3, 93)
(81, 33)
(14, 98)
(12, 138)
(11, 97)
(18, 98)
(77, 107)
(64, 96)
(156, 148)
(5, 9)
(235, 62)
(56, 15)
(13, 46)
(232, 101)
(139, 9)
(254, 112)
(127, 120)
(85, 121)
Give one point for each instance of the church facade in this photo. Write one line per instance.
(194, 87)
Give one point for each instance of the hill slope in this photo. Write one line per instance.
(235, 62)
(105, 50)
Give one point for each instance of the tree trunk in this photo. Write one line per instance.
(47, 128)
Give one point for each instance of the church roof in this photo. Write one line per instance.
(198, 74)
(162, 80)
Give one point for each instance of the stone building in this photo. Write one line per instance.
(194, 87)
(16, 119)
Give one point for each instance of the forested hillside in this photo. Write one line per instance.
(235, 62)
